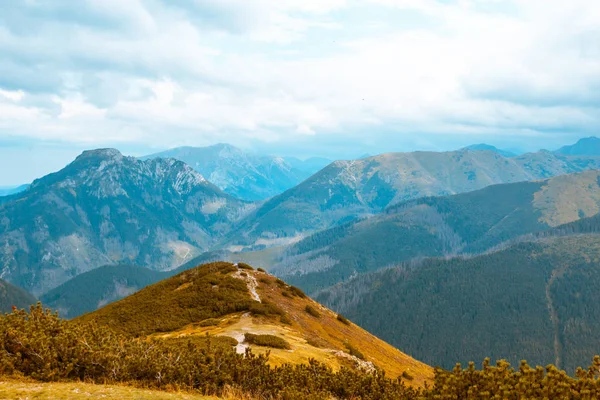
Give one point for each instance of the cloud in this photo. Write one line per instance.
(280, 71)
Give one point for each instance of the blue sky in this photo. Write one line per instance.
(335, 78)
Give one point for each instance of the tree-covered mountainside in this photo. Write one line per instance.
(534, 300)
(467, 223)
(349, 190)
(96, 288)
(11, 295)
(239, 173)
(105, 208)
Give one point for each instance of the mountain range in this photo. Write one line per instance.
(242, 174)
(108, 209)
(105, 208)
(349, 190)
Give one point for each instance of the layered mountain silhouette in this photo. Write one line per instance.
(105, 208)
(239, 173)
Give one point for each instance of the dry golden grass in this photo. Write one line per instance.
(565, 197)
(29, 390)
(330, 334)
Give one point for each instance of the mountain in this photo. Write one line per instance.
(105, 208)
(489, 147)
(96, 288)
(467, 223)
(349, 190)
(11, 295)
(7, 191)
(241, 174)
(534, 300)
(310, 165)
(258, 311)
(584, 147)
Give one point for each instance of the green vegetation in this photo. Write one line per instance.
(267, 341)
(40, 345)
(11, 295)
(353, 351)
(192, 296)
(537, 301)
(245, 266)
(260, 270)
(343, 319)
(265, 308)
(297, 292)
(312, 311)
(209, 322)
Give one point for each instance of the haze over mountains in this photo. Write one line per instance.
(347, 190)
(242, 174)
(159, 213)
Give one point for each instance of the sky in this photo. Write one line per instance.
(333, 78)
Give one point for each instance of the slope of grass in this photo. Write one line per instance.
(25, 390)
(191, 296)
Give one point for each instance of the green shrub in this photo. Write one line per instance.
(162, 308)
(245, 266)
(264, 280)
(312, 311)
(209, 322)
(407, 376)
(243, 274)
(265, 308)
(267, 341)
(286, 294)
(353, 351)
(343, 319)
(297, 292)
(284, 319)
(260, 270)
(280, 283)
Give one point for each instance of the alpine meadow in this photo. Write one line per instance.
(300, 200)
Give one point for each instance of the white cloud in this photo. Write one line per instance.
(270, 70)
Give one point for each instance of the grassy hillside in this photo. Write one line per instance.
(94, 289)
(467, 223)
(224, 300)
(534, 301)
(11, 295)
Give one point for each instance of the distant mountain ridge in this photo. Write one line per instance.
(105, 208)
(7, 191)
(484, 146)
(584, 147)
(349, 190)
(467, 223)
(239, 173)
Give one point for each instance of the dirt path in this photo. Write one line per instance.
(251, 283)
